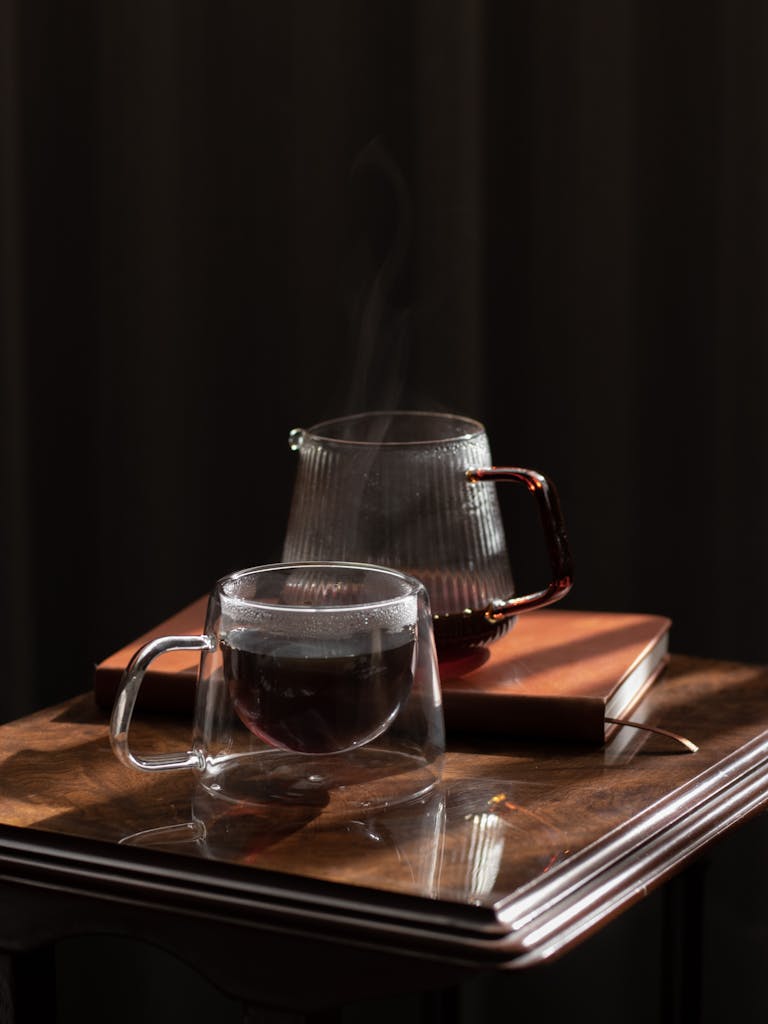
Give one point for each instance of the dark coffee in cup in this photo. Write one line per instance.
(318, 689)
(318, 695)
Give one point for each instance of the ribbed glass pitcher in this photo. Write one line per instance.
(415, 491)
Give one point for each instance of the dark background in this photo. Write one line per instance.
(222, 220)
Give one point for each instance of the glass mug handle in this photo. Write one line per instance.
(554, 529)
(126, 701)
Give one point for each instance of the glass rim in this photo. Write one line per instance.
(415, 587)
(474, 428)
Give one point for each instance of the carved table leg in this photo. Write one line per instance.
(257, 1015)
(28, 987)
(681, 945)
(442, 1007)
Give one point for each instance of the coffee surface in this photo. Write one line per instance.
(320, 695)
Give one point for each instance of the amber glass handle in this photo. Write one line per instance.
(554, 529)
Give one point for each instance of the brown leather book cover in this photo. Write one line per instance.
(558, 675)
(555, 675)
(169, 683)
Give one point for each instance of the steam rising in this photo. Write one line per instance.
(380, 318)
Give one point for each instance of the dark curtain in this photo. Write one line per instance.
(626, 270)
(220, 221)
(223, 220)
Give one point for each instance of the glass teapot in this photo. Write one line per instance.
(415, 491)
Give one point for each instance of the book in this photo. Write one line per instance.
(559, 675)
(169, 682)
(556, 674)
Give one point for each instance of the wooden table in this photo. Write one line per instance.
(522, 853)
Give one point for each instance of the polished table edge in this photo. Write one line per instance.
(265, 900)
(616, 871)
(542, 919)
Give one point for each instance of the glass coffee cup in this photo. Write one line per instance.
(416, 490)
(318, 684)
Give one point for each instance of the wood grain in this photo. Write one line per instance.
(507, 813)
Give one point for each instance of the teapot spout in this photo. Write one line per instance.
(296, 439)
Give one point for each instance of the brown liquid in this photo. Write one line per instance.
(318, 696)
(456, 633)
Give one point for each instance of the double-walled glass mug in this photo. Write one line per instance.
(415, 490)
(317, 686)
